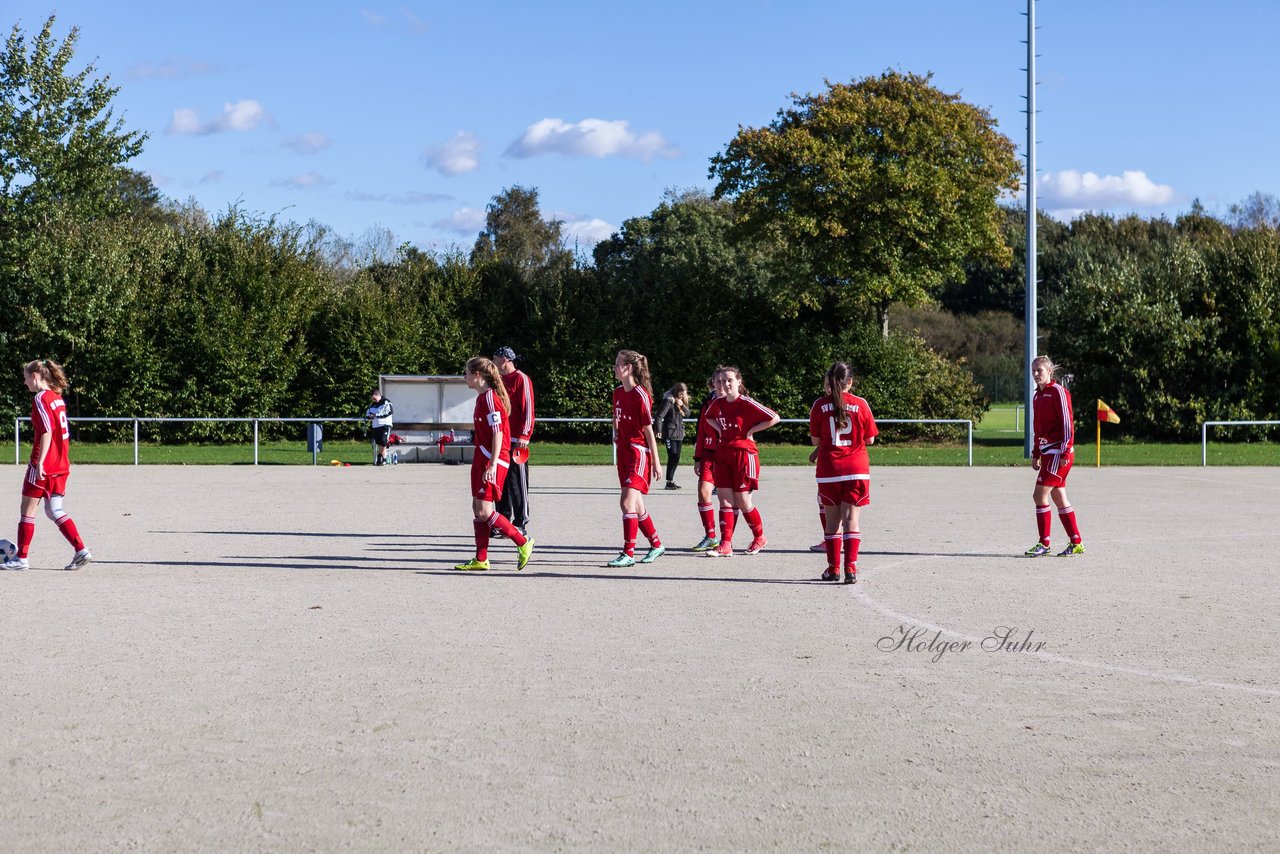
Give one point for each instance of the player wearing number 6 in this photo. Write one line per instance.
(841, 426)
(736, 418)
(50, 464)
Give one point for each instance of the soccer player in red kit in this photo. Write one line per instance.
(492, 433)
(736, 417)
(704, 455)
(841, 426)
(50, 464)
(637, 452)
(514, 503)
(1052, 454)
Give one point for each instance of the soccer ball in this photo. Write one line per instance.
(7, 550)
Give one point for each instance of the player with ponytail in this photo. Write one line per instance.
(637, 454)
(492, 431)
(736, 418)
(841, 426)
(50, 464)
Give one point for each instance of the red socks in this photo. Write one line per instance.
(26, 531)
(852, 541)
(630, 527)
(68, 529)
(707, 513)
(832, 542)
(1067, 515)
(1043, 521)
(727, 518)
(649, 530)
(754, 522)
(482, 538)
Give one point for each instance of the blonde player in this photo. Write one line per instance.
(637, 452)
(1052, 454)
(492, 430)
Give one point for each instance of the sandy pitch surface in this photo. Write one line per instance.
(282, 659)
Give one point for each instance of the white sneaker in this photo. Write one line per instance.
(16, 563)
(82, 557)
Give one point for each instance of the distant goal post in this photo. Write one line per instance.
(1204, 433)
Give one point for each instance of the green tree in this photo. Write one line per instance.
(59, 140)
(886, 186)
(515, 233)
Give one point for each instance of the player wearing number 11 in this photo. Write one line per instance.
(50, 463)
(841, 426)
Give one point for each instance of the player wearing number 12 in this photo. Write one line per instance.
(50, 464)
(841, 426)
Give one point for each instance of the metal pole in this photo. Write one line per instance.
(255, 441)
(971, 444)
(1204, 444)
(17, 442)
(1029, 386)
(135, 441)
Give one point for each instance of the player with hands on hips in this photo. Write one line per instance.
(637, 453)
(736, 417)
(841, 427)
(50, 464)
(492, 428)
(1052, 453)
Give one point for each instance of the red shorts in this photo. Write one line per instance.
(837, 492)
(737, 469)
(1054, 469)
(705, 470)
(480, 489)
(633, 468)
(43, 487)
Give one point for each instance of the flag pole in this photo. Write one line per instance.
(1098, 447)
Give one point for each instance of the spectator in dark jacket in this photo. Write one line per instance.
(670, 418)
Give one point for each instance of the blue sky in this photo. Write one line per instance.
(408, 117)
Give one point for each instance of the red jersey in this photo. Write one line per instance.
(632, 412)
(1052, 421)
(842, 451)
(489, 419)
(520, 391)
(705, 438)
(49, 417)
(732, 420)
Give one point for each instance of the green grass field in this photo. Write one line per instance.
(997, 441)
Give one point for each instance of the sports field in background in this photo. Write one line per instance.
(996, 442)
(281, 658)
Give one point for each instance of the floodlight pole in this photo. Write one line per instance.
(1029, 385)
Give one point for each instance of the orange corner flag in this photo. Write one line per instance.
(1106, 413)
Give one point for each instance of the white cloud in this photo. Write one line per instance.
(213, 176)
(590, 138)
(1072, 192)
(377, 20)
(171, 69)
(459, 155)
(587, 232)
(463, 221)
(305, 181)
(308, 143)
(413, 197)
(240, 116)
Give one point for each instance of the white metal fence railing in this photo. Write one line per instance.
(17, 426)
(1204, 433)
